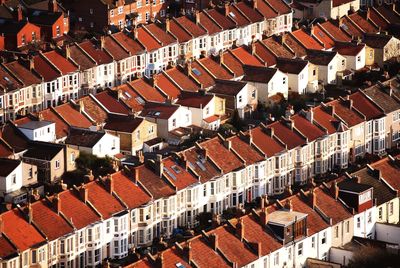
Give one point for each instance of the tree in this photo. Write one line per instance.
(370, 257)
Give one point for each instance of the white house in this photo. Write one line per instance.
(267, 81)
(329, 63)
(239, 96)
(354, 55)
(97, 143)
(39, 130)
(297, 72)
(168, 117)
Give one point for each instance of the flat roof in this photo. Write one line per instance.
(285, 217)
(35, 124)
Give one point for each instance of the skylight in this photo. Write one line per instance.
(166, 170)
(140, 100)
(196, 72)
(176, 169)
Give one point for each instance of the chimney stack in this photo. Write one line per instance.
(52, 6)
(83, 193)
(136, 174)
(289, 205)
(226, 9)
(30, 212)
(312, 198)
(19, 13)
(109, 184)
(255, 6)
(214, 241)
(167, 25)
(57, 203)
(240, 229)
(263, 216)
(159, 165)
(334, 190)
(1, 225)
(228, 144)
(197, 14)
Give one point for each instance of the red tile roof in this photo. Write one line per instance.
(225, 22)
(45, 69)
(6, 248)
(167, 86)
(131, 99)
(294, 44)
(266, 10)
(280, 6)
(335, 31)
(194, 29)
(245, 57)
(251, 13)
(234, 249)
(195, 100)
(200, 248)
(23, 74)
(308, 41)
(336, 3)
(224, 158)
(164, 37)
(62, 64)
(349, 49)
(308, 129)
(268, 145)
(130, 193)
(8, 82)
(74, 209)
(177, 174)
(111, 102)
(364, 24)
(236, 16)
(349, 116)
(322, 36)
(146, 91)
(173, 256)
(96, 52)
(102, 200)
(72, 116)
(93, 109)
(254, 232)
(388, 12)
(22, 234)
(347, 25)
(211, 26)
(390, 171)
(378, 19)
(158, 187)
(232, 63)
(332, 208)
(147, 40)
(366, 106)
(133, 46)
(62, 127)
(265, 54)
(277, 48)
(182, 80)
(247, 152)
(179, 32)
(209, 172)
(53, 225)
(315, 223)
(216, 69)
(117, 51)
(325, 119)
(201, 75)
(288, 136)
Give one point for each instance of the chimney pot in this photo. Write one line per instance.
(240, 229)
(83, 193)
